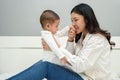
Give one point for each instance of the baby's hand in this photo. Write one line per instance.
(71, 34)
(65, 61)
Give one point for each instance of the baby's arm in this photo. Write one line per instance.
(63, 32)
(64, 59)
(64, 51)
(55, 47)
(56, 41)
(48, 38)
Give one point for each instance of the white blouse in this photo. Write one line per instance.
(90, 57)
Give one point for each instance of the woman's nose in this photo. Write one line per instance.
(73, 23)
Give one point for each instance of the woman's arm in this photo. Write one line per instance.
(89, 54)
(71, 37)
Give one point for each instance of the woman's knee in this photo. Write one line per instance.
(42, 63)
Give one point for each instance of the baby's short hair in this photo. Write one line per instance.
(48, 16)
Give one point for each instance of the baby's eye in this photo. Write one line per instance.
(71, 20)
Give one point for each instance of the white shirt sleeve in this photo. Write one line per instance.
(60, 52)
(68, 55)
(63, 32)
(47, 36)
(87, 57)
(70, 47)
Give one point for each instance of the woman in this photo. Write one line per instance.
(91, 52)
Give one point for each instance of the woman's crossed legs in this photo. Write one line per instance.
(43, 69)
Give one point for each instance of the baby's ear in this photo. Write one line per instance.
(48, 25)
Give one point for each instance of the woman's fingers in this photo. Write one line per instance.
(45, 46)
(71, 34)
(72, 29)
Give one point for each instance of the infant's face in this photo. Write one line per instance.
(54, 26)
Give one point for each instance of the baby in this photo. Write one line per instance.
(49, 21)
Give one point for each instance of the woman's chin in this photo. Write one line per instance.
(78, 32)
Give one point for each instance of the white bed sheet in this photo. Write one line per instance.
(4, 76)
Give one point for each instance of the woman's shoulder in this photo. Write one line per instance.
(98, 37)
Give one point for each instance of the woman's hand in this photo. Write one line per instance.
(45, 46)
(71, 34)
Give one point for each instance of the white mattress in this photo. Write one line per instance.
(4, 76)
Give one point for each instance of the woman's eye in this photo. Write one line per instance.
(76, 20)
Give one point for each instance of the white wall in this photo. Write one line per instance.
(21, 17)
(115, 55)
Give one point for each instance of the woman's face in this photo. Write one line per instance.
(78, 22)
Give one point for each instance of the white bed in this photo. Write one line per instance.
(19, 52)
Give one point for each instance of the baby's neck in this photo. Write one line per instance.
(48, 30)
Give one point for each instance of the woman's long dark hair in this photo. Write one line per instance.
(92, 24)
